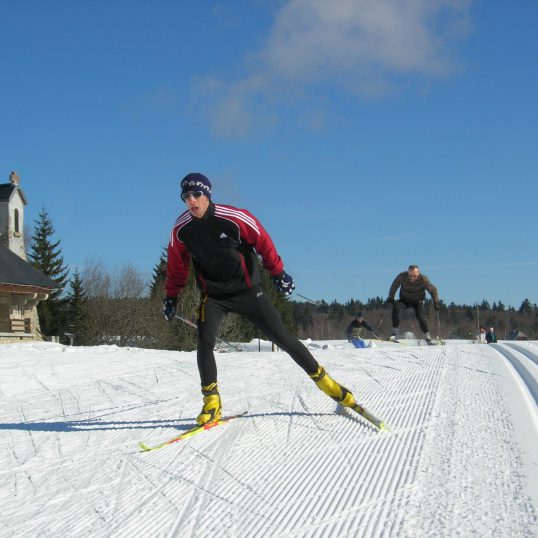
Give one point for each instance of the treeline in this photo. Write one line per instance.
(95, 306)
(324, 321)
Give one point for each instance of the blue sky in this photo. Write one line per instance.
(366, 135)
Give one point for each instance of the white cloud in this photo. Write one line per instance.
(359, 46)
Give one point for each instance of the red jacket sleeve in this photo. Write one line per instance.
(177, 269)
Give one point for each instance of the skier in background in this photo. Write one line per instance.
(413, 286)
(222, 242)
(491, 337)
(355, 325)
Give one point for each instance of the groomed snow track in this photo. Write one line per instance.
(451, 464)
(525, 362)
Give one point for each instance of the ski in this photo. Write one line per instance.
(363, 412)
(189, 433)
(432, 342)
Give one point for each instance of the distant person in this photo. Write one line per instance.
(413, 288)
(491, 337)
(482, 336)
(354, 328)
(223, 243)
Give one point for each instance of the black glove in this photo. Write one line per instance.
(169, 308)
(284, 283)
(436, 306)
(390, 300)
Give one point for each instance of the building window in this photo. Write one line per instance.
(16, 215)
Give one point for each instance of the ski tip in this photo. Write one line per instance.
(143, 447)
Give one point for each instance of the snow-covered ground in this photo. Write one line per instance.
(460, 458)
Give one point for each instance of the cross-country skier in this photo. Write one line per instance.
(222, 242)
(355, 325)
(413, 288)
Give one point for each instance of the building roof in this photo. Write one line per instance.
(6, 189)
(15, 270)
(517, 335)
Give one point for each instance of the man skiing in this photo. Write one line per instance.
(413, 286)
(223, 242)
(355, 326)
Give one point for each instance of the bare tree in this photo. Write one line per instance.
(116, 304)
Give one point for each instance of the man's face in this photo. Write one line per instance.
(413, 274)
(196, 206)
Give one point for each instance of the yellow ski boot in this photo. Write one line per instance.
(332, 389)
(212, 408)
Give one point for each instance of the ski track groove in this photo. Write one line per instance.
(207, 477)
(524, 364)
(527, 352)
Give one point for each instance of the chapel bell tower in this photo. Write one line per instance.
(12, 202)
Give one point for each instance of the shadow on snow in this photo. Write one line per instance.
(97, 425)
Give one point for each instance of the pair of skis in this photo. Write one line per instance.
(362, 411)
(437, 342)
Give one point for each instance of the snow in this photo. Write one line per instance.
(459, 458)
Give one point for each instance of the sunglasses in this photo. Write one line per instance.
(195, 194)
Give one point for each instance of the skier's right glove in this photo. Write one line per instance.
(390, 300)
(284, 283)
(169, 308)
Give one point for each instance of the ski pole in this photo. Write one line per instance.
(438, 326)
(317, 303)
(194, 326)
(380, 320)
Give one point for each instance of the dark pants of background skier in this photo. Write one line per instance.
(254, 305)
(418, 306)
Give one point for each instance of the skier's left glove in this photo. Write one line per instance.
(169, 308)
(284, 283)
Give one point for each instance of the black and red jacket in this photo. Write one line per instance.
(223, 246)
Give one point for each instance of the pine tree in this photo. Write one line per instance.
(156, 288)
(76, 313)
(526, 307)
(46, 255)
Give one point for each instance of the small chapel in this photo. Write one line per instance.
(22, 286)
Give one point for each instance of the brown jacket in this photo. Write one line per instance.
(413, 291)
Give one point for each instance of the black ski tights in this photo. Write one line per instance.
(254, 305)
(418, 306)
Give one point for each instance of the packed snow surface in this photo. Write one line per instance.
(459, 458)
